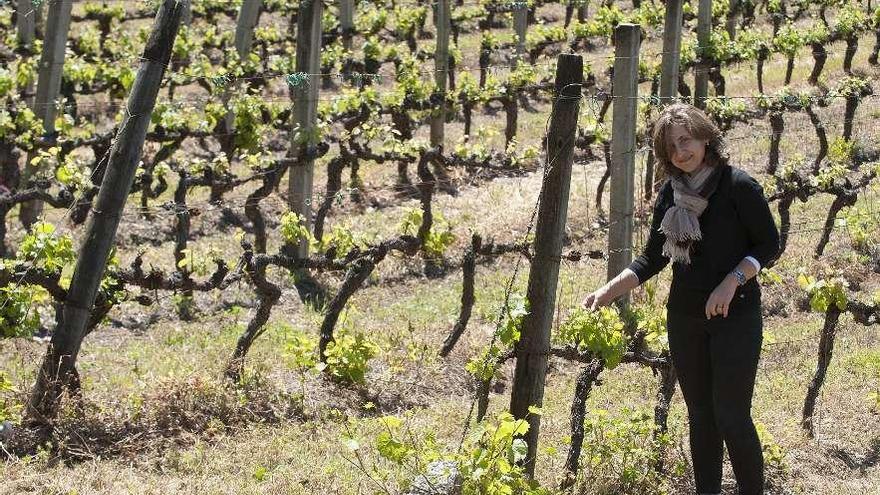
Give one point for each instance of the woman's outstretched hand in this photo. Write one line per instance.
(719, 300)
(596, 299)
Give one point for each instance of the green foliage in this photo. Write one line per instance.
(194, 261)
(409, 19)
(823, 293)
(542, 34)
(388, 442)
(251, 128)
(602, 23)
(114, 11)
(18, 313)
(489, 41)
(651, 15)
(774, 454)
(89, 41)
(25, 72)
(10, 408)
(340, 238)
(300, 351)
(851, 20)
(72, 173)
(789, 40)
(769, 276)
(720, 49)
(488, 461)
(521, 155)
(853, 87)
(439, 237)
(620, 453)
(370, 21)
(840, 152)
(490, 465)
(520, 77)
(785, 99)
(817, 33)
(19, 124)
(651, 319)
(7, 82)
(599, 332)
(293, 229)
(688, 49)
(484, 366)
(751, 43)
(862, 225)
(43, 249)
(348, 357)
(174, 117)
(725, 109)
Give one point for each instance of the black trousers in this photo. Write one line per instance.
(716, 361)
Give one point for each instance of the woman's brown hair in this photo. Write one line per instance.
(698, 125)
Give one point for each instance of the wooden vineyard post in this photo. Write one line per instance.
(346, 22)
(520, 27)
(669, 74)
(26, 33)
(58, 371)
(48, 88)
(245, 24)
(701, 74)
(534, 345)
(623, 143)
(248, 16)
(511, 105)
(305, 114)
(731, 18)
(441, 67)
(671, 63)
(186, 15)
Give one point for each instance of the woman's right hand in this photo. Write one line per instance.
(596, 299)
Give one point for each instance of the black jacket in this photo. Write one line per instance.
(736, 223)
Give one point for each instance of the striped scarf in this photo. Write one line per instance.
(681, 224)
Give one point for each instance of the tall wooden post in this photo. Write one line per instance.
(534, 344)
(704, 33)
(59, 365)
(245, 24)
(26, 33)
(623, 143)
(25, 22)
(305, 114)
(583, 11)
(441, 67)
(731, 18)
(346, 22)
(248, 16)
(521, 27)
(48, 88)
(670, 71)
(671, 64)
(186, 14)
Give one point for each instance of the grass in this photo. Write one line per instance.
(265, 447)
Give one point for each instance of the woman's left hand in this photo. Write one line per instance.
(719, 300)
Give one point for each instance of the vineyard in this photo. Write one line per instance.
(278, 246)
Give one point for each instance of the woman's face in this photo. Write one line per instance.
(686, 152)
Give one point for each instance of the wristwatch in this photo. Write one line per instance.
(740, 277)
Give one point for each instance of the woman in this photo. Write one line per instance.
(713, 222)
